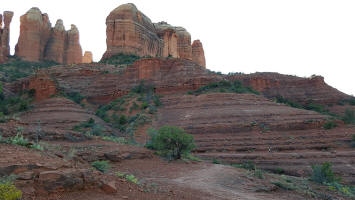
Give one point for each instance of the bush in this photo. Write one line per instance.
(102, 166)
(349, 116)
(8, 191)
(329, 125)
(171, 142)
(249, 165)
(128, 177)
(121, 59)
(224, 86)
(75, 96)
(323, 174)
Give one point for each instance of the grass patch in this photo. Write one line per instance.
(89, 128)
(102, 166)
(249, 165)
(224, 86)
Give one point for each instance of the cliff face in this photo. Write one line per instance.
(129, 31)
(301, 90)
(5, 35)
(198, 54)
(38, 41)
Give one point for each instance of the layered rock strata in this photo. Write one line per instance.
(38, 41)
(297, 89)
(5, 35)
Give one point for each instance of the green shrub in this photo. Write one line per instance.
(102, 166)
(323, 174)
(259, 174)
(215, 161)
(75, 96)
(121, 59)
(171, 142)
(8, 191)
(19, 140)
(352, 143)
(329, 125)
(249, 165)
(224, 86)
(349, 116)
(128, 177)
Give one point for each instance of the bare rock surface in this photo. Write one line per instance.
(6, 18)
(38, 41)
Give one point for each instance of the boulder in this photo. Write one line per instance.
(198, 54)
(87, 58)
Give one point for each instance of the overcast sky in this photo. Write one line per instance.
(297, 37)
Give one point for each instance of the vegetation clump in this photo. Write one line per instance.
(329, 125)
(17, 68)
(349, 116)
(102, 166)
(8, 190)
(90, 128)
(171, 142)
(129, 177)
(14, 104)
(131, 111)
(121, 59)
(224, 86)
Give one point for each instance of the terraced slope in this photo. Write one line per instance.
(236, 128)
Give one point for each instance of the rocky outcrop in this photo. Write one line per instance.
(56, 43)
(73, 51)
(129, 31)
(38, 41)
(5, 35)
(43, 85)
(167, 75)
(301, 90)
(198, 54)
(87, 58)
(168, 34)
(184, 43)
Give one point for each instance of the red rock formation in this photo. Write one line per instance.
(87, 58)
(5, 35)
(73, 53)
(43, 85)
(301, 90)
(198, 54)
(167, 75)
(55, 49)
(35, 30)
(129, 31)
(38, 41)
(168, 34)
(184, 43)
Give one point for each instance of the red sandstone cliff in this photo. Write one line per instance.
(301, 90)
(129, 31)
(38, 41)
(198, 54)
(5, 35)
